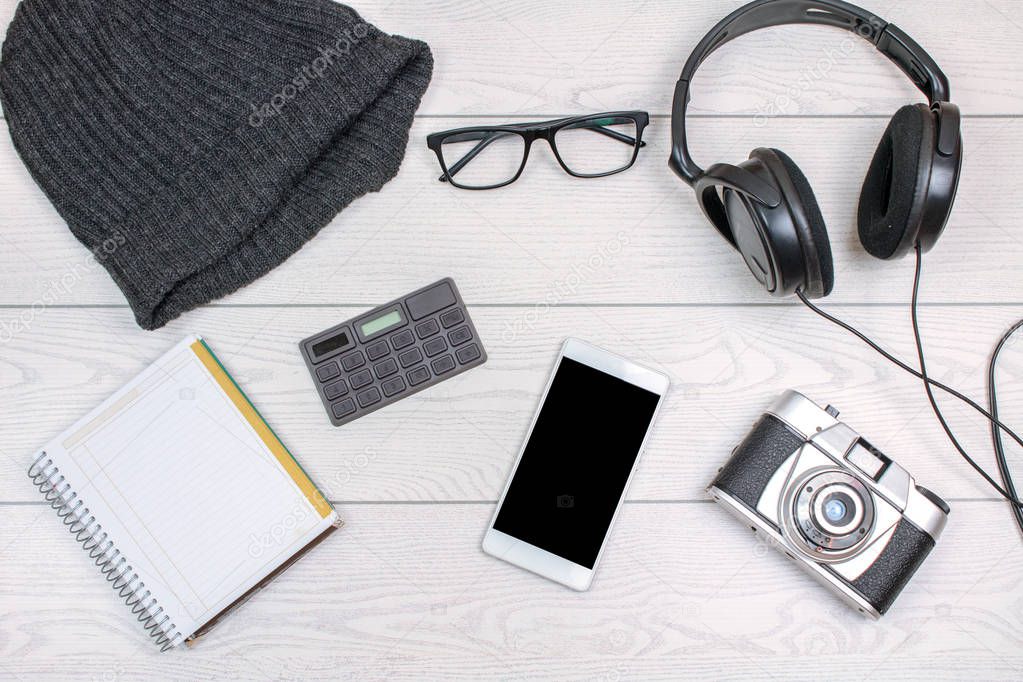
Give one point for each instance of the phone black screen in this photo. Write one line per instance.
(577, 461)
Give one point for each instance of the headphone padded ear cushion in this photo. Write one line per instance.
(888, 201)
(815, 219)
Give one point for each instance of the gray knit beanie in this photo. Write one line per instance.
(192, 145)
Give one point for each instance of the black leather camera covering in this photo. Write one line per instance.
(757, 458)
(884, 580)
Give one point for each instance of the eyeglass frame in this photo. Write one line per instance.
(530, 132)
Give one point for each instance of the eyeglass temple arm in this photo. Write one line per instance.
(488, 138)
(485, 140)
(613, 134)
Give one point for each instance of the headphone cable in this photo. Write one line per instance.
(928, 383)
(914, 311)
(996, 433)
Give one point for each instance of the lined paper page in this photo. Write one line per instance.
(188, 490)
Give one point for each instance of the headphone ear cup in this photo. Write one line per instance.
(818, 233)
(891, 200)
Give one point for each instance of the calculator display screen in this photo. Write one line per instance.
(339, 340)
(575, 466)
(380, 323)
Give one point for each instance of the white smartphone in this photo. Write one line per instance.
(570, 478)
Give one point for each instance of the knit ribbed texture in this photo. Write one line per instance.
(193, 146)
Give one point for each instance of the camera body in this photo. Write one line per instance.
(842, 510)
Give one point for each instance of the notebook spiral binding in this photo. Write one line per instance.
(112, 564)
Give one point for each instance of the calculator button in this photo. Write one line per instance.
(353, 361)
(343, 408)
(426, 329)
(442, 365)
(370, 396)
(393, 386)
(468, 354)
(435, 346)
(410, 357)
(418, 376)
(360, 379)
(386, 368)
(459, 336)
(451, 318)
(430, 301)
(335, 390)
(377, 350)
(402, 339)
(328, 372)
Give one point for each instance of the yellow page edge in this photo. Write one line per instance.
(262, 429)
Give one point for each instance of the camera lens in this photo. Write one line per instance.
(834, 509)
(832, 513)
(838, 508)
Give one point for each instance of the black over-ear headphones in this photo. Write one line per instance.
(765, 207)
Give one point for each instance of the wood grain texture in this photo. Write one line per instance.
(404, 592)
(636, 238)
(524, 57)
(457, 441)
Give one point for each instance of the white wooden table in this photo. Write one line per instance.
(628, 263)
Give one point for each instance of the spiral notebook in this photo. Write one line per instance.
(182, 494)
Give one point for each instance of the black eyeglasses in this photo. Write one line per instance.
(487, 157)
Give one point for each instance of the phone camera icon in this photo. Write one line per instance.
(566, 501)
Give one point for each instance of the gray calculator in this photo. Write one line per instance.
(393, 351)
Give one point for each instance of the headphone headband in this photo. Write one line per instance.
(891, 41)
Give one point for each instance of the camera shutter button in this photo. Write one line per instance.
(938, 502)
